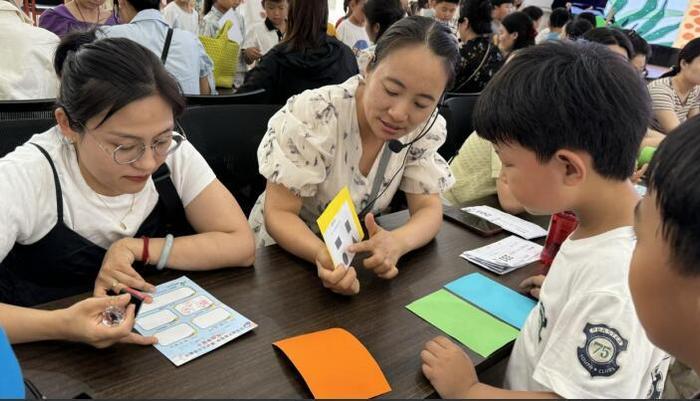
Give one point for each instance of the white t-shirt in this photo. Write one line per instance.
(584, 340)
(352, 35)
(28, 195)
(262, 37)
(179, 18)
(26, 57)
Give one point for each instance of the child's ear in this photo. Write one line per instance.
(375, 28)
(573, 166)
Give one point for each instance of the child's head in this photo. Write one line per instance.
(276, 10)
(576, 28)
(664, 275)
(588, 16)
(613, 39)
(558, 18)
(356, 10)
(444, 9)
(517, 32)
(381, 14)
(561, 115)
(501, 8)
(223, 5)
(642, 50)
(475, 16)
(688, 64)
(535, 13)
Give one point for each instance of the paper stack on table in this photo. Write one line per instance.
(505, 255)
(508, 222)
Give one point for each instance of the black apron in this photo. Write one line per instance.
(63, 263)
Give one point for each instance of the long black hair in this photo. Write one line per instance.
(108, 74)
(478, 14)
(522, 24)
(688, 53)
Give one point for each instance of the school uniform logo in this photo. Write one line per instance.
(599, 354)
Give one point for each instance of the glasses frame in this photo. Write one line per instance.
(177, 137)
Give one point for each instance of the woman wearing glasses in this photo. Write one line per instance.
(112, 190)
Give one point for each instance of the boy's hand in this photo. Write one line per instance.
(448, 368)
(532, 285)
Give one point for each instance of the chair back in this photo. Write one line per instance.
(228, 136)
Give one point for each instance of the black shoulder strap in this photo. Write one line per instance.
(56, 183)
(166, 46)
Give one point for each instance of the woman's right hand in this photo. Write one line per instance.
(339, 279)
(82, 322)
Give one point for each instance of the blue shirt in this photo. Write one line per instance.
(187, 61)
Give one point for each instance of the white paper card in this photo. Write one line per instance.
(506, 255)
(341, 233)
(508, 222)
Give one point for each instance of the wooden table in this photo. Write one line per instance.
(284, 296)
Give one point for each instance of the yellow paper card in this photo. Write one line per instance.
(340, 227)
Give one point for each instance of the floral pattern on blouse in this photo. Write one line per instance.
(313, 148)
(472, 54)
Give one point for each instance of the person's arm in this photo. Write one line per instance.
(652, 138)
(668, 120)
(204, 88)
(283, 223)
(693, 112)
(81, 322)
(424, 224)
(224, 240)
(505, 197)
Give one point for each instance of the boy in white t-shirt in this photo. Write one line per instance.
(570, 146)
(351, 31)
(181, 14)
(263, 36)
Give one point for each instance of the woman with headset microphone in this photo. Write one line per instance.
(375, 134)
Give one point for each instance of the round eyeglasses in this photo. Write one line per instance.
(127, 154)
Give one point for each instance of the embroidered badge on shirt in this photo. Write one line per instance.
(599, 354)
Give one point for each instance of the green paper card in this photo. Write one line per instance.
(474, 328)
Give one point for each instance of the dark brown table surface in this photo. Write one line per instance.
(285, 298)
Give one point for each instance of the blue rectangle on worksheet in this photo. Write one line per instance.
(498, 300)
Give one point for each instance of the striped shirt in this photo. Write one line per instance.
(664, 97)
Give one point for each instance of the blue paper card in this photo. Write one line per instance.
(498, 300)
(11, 383)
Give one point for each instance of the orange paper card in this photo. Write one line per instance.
(335, 364)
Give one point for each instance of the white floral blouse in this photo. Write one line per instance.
(313, 147)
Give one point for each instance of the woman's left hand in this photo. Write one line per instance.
(385, 249)
(117, 271)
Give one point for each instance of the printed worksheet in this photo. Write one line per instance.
(508, 222)
(188, 321)
(340, 228)
(506, 255)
